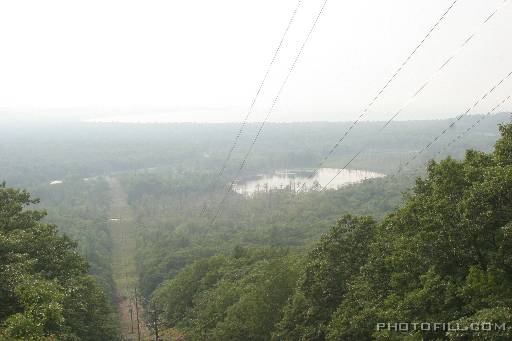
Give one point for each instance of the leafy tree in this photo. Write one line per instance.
(263, 294)
(44, 287)
(328, 270)
(444, 256)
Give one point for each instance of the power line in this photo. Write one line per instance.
(274, 103)
(477, 122)
(137, 314)
(253, 103)
(460, 136)
(422, 87)
(457, 119)
(381, 91)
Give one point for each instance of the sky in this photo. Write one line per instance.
(203, 61)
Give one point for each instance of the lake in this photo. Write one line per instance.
(295, 179)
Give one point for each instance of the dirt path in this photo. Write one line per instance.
(123, 263)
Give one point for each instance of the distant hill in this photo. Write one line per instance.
(39, 152)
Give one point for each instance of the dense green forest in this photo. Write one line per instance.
(173, 233)
(34, 153)
(256, 170)
(429, 245)
(443, 256)
(81, 210)
(46, 292)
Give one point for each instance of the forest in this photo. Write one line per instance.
(256, 170)
(35, 153)
(442, 254)
(47, 289)
(101, 220)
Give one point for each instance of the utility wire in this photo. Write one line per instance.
(460, 136)
(477, 122)
(380, 92)
(457, 119)
(274, 103)
(256, 96)
(422, 87)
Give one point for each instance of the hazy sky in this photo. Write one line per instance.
(199, 60)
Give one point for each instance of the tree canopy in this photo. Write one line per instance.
(444, 256)
(45, 290)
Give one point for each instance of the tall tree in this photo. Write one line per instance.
(45, 290)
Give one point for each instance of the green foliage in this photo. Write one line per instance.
(326, 275)
(443, 257)
(259, 272)
(489, 324)
(230, 297)
(172, 234)
(81, 210)
(42, 308)
(44, 287)
(262, 297)
(33, 153)
(503, 149)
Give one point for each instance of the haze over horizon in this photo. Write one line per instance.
(152, 117)
(139, 61)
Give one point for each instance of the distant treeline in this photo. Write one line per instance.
(36, 153)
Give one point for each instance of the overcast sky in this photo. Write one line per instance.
(202, 60)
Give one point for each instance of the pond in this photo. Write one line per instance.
(296, 179)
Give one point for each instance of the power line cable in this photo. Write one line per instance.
(380, 92)
(422, 87)
(256, 96)
(274, 103)
(477, 122)
(457, 119)
(460, 136)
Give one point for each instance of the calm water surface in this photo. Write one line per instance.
(295, 179)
